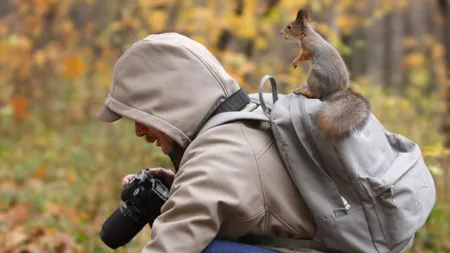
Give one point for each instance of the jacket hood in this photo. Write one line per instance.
(169, 82)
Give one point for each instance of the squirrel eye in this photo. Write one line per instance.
(289, 26)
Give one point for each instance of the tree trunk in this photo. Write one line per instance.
(445, 17)
(375, 46)
(5, 8)
(393, 53)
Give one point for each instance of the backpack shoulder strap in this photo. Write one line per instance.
(226, 117)
(260, 99)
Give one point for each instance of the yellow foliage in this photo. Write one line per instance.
(325, 29)
(436, 150)
(72, 67)
(23, 7)
(39, 58)
(410, 42)
(438, 52)
(42, 6)
(3, 29)
(347, 23)
(387, 5)
(200, 39)
(157, 20)
(412, 60)
(153, 3)
(116, 26)
(402, 3)
(66, 27)
(247, 27)
(46, 43)
(344, 5)
(292, 6)
(72, 177)
(261, 43)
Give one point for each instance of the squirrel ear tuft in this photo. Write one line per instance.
(302, 15)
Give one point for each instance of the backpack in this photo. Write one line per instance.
(370, 192)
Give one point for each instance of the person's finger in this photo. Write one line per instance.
(155, 171)
(163, 171)
(166, 175)
(160, 172)
(127, 179)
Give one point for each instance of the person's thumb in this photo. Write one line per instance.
(127, 179)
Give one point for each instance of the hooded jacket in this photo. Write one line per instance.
(231, 181)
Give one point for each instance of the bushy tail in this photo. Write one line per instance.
(343, 112)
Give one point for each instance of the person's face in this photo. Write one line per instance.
(151, 135)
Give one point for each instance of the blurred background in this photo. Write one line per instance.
(60, 168)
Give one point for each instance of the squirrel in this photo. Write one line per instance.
(344, 110)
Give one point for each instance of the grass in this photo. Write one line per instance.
(66, 180)
(59, 181)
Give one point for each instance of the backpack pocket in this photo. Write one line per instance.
(348, 233)
(403, 197)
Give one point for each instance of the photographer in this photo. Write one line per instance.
(230, 188)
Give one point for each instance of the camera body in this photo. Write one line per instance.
(142, 199)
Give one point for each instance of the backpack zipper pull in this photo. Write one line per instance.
(347, 206)
(392, 189)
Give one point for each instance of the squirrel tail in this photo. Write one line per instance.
(343, 112)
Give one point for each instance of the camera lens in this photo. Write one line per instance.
(123, 224)
(142, 199)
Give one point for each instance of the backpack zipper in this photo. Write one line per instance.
(306, 127)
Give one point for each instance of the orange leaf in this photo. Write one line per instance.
(15, 216)
(20, 107)
(41, 6)
(17, 237)
(32, 22)
(414, 60)
(73, 67)
(3, 29)
(26, 68)
(8, 185)
(72, 177)
(40, 172)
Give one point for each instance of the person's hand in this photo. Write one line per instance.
(166, 175)
(127, 179)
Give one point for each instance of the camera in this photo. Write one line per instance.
(142, 199)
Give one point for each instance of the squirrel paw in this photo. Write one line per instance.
(295, 64)
(305, 93)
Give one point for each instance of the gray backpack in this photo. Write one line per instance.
(370, 192)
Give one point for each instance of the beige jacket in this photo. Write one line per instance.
(231, 180)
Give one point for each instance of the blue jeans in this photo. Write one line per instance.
(219, 246)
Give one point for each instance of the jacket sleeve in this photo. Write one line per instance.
(201, 197)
